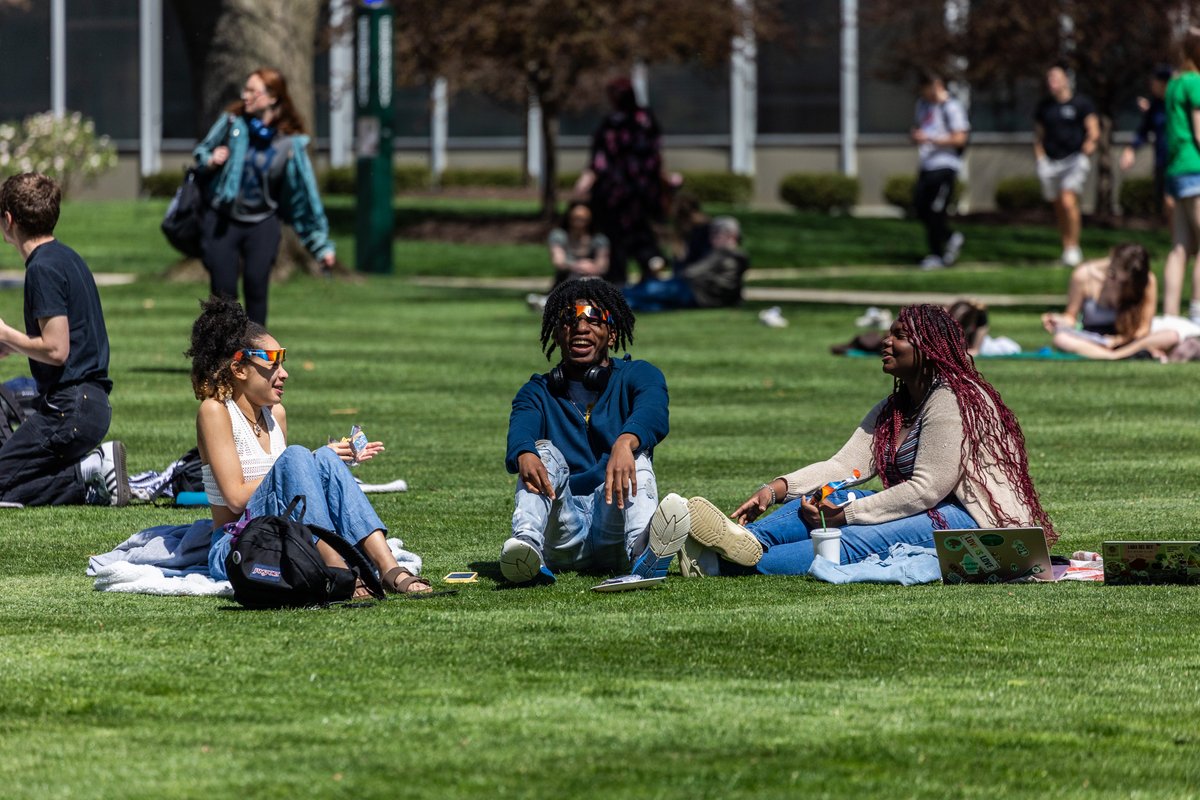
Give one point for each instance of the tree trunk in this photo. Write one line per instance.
(1104, 170)
(549, 162)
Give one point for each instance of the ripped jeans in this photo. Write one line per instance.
(582, 532)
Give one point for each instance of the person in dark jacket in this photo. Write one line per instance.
(715, 281)
(581, 440)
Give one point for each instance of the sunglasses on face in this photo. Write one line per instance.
(596, 316)
(272, 357)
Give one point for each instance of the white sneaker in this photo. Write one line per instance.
(1072, 256)
(931, 262)
(535, 301)
(772, 317)
(697, 561)
(669, 527)
(1194, 312)
(711, 528)
(520, 562)
(953, 248)
(110, 484)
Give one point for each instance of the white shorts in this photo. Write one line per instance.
(1064, 175)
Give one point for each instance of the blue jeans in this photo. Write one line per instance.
(788, 550)
(664, 295)
(332, 500)
(583, 532)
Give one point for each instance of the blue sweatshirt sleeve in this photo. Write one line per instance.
(526, 425)
(649, 419)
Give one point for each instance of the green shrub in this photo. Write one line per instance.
(410, 178)
(337, 180)
(1139, 197)
(343, 180)
(491, 177)
(719, 187)
(1019, 194)
(824, 192)
(898, 192)
(163, 184)
(566, 180)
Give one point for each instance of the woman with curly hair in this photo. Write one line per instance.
(946, 448)
(255, 169)
(241, 431)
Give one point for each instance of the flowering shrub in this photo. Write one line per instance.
(65, 148)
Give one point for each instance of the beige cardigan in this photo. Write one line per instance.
(937, 474)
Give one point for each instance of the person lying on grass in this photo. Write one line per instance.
(581, 439)
(241, 431)
(948, 451)
(1110, 310)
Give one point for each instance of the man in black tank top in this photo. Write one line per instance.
(53, 458)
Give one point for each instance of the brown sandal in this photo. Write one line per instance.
(398, 580)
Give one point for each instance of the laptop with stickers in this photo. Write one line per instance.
(1151, 563)
(993, 555)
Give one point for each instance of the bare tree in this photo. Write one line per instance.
(1109, 44)
(559, 51)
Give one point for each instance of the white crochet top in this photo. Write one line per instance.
(255, 463)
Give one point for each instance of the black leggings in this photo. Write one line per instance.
(931, 197)
(225, 242)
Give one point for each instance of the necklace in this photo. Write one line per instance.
(253, 422)
(587, 416)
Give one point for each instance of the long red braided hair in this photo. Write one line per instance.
(989, 427)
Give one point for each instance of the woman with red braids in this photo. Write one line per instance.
(948, 451)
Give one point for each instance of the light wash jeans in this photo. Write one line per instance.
(788, 550)
(584, 532)
(332, 500)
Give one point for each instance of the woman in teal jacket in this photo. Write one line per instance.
(256, 171)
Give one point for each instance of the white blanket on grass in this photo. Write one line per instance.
(173, 560)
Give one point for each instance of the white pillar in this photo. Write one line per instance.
(341, 84)
(150, 66)
(957, 13)
(533, 139)
(743, 98)
(639, 77)
(58, 57)
(439, 128)
(849, 86)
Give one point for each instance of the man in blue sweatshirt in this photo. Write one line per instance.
(581, 439)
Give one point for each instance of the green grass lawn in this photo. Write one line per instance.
(735, 687)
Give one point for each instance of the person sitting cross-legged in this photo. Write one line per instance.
(948, 451)
(581, 439)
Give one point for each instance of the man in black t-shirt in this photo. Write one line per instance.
(55, 456)
(1065, 132)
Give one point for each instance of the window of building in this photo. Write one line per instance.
(799, 78)
(25, 43)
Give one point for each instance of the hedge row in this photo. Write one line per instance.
(824, 193)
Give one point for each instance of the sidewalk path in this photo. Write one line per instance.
(12, 278)
(776, 294)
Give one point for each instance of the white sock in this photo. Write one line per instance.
(90, 466)
(1194, 309)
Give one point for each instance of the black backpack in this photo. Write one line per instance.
(273, 563)
(181, 224)
(187, 475)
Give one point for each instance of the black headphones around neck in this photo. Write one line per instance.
(594, 380)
